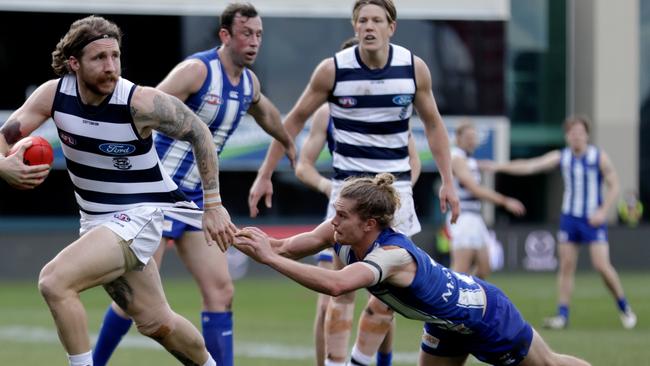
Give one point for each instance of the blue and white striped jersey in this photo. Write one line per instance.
(111, 167)
(371, 110)
(437, 295)
(468, 202)
(583, 182)
(220, 105)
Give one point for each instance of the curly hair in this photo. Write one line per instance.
(375, 197)
(82, 32)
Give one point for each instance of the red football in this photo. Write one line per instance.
(39, 153)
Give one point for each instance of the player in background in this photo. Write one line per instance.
(470, 236)
(333, 321)
(371, 89)
(219, 87)
(105, 124)
(585, 169)
(462, 314)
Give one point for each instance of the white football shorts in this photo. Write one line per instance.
(141, 225)
(469, 231)
(405, 220)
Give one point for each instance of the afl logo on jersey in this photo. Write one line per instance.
(347, 102)
(122, 217)
(117, 149)
(402, 99)
(67, 139)
(212, 99)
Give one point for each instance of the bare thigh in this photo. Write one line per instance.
(208, 264)
(140, 293)
(95, 258)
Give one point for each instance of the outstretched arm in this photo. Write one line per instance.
(256, 244)
(437, 137)
(153, 109)
(314, 96)
(530, 166)
(464, 175)
(311, 148)
(267, 116)
(32, 114)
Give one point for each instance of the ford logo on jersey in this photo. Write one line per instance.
(402, 99)
(117, 149)
(347, 102)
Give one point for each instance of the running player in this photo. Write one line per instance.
(219, 87)
(105, 124)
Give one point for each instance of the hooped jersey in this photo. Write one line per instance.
(111, 167)
(437, 295)
(468, 202)
(370, 112)
(219, 104)
(583, 182)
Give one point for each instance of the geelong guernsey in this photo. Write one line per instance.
(437, 295)
(468, 202)
(583, 182)
(111, 167)
(219, 104)
(370, 111)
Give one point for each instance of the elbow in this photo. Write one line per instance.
(338, 288)
(335, 290)
(301, 171)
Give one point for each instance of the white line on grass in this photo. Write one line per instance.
(25, 334)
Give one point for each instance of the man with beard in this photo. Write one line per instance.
(219, 87)
(105, 124)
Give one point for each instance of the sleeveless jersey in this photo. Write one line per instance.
(437, 295)
(583, 182)
(468, 202)
(220, 105)
(111, 167)
(370, 111)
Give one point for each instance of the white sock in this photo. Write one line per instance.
(210, 361)
(329, 362)
(82, 359)
(359, 357)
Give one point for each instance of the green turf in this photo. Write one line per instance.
(278, 314)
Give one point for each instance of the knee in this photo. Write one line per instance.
(219, 294)
(156, 324)
(375, 306)
(50, 285)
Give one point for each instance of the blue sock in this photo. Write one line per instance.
(622, 304)
(384, 359)
(563, 310)
(217, 332)
(113, 329)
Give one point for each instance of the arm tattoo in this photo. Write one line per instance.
(178, 121)
(11, 131)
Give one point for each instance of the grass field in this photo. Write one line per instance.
(273, 320)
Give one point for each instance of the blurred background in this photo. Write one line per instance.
(516, 68)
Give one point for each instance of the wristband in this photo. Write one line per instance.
(211, 199)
